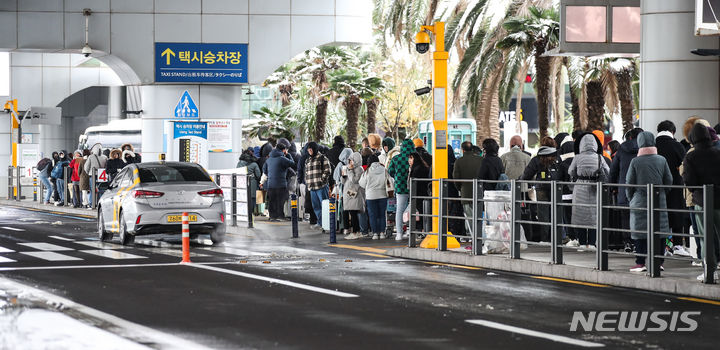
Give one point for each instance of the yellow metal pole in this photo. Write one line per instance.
(440, 155)
(14, 129)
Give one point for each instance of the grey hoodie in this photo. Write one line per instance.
(373, 181)
(96, 160)
(344, 156)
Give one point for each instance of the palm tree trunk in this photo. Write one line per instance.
(625, 95)
(352, 107)
(320, 119)
(577, 122)
(542, 82)
(371, 112)
(595, 105)
(285, 92)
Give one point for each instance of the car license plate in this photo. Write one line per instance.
(178, 218)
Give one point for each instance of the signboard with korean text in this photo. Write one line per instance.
(220, 135)
(190, 142)
(201, 63)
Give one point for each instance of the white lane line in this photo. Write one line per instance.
(62, 238)
(51, 256)
(112, 254)
(101, 245)
(532, 333)
(6, 260)
(172, 252)
(277, 281)
(12, 228)
(75, 267)
(234, 251)
(5, 250)
(46, 247)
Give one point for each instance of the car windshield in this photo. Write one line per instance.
(172, 173)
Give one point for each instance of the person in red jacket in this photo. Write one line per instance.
(75, 178)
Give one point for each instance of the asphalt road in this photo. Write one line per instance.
(264, 290)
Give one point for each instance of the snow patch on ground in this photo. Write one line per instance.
(22, 328)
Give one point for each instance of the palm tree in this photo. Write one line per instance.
(353, 87)
(535, 34)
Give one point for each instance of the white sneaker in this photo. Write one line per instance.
(346, 232)
(376, 236)
(573, 243)
(384, 236)
(639, 268)
(352, 236)
(681, 251)
(701, 277)
(399, 237)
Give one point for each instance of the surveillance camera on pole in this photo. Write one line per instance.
(438, 88)
(87, 50)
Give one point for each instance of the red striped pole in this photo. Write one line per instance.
(185, 238)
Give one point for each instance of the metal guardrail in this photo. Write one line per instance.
(477, 226)
(238, 184)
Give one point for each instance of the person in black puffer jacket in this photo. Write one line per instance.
(492, 165)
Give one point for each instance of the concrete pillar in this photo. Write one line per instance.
(5, 151)
(116, 102)
(675, 84)
(213, 102)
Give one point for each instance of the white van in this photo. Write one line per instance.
(114, 134)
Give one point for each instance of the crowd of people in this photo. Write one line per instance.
(370, 180)
(80, 165)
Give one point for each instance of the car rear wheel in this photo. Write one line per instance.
(103, 234)
(217, 237)
(125, 237)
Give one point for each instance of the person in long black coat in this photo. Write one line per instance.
(674, 152)
(492, 165)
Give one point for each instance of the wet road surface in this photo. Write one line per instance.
(265, 291)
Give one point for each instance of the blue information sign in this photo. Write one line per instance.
(201, 63)
(186, 129)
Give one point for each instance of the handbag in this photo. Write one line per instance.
(389, 185)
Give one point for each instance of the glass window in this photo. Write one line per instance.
(626, 27)
(172, 173)
(585, 24)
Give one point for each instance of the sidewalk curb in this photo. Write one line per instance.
(670, 285)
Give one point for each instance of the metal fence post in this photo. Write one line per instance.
(475, 234)
(709, 234)
(35, 186)
(412, 240)
(66, 185)
(233, 200)
(602, 234)
(442, 231)
(41, 189)
(18, 195)
(10, 183)
(251, 217)
(93, 188)
(555, 233)
(515, 227)
(652, 264)
(333, 223)
(294, 214)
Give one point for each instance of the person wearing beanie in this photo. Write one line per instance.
(420, 149)
(647, 168)
(543, 167)
(390, 149)
(333, 154)
(618, 171)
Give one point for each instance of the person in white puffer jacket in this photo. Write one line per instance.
(374, 180)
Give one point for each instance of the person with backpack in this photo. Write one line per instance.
(587, 168)
(318, 171)
(374, 180)
(58, 174)
(44, 167)
(543, 167)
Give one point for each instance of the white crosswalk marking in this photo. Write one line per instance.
(101, 245)
(46, 246)
(51, 256)
(62, 238)
(5, 250)
(113, 254)
(5, 260)
(172, 252)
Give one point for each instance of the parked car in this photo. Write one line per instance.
(149, 198)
